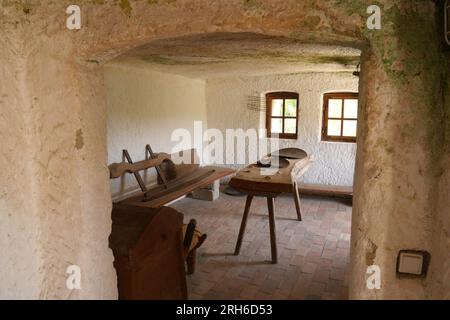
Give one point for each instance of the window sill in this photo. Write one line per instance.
(334, 142)
(287, 139)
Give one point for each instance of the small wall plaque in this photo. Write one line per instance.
(413, 263)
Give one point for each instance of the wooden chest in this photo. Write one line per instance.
(148, 253)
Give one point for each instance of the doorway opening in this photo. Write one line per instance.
(221, 81)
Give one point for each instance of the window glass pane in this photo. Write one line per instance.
(277, 107)
(277, 126)
(290, 125)
(290, 107)
(335, 108)
(349, 128)
(351, 108)
(334, 127)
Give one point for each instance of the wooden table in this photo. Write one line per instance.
(267, 182)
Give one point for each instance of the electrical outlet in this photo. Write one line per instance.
(412, 262)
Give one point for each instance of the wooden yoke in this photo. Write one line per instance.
(116, 170)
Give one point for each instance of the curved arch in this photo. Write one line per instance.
(61, 95)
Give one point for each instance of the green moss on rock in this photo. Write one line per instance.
(126, 6)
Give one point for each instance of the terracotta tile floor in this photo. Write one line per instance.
(313, 254)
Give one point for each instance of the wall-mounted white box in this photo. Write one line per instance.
(410, 263)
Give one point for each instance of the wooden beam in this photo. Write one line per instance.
(326, 191)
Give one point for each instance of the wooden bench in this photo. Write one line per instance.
(174, 180)
(149, 241)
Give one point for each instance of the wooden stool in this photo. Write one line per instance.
(254, 181)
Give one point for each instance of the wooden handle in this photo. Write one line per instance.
(116, 170)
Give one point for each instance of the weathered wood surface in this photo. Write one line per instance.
(189, 179)
(267, 182)
(254, 180)
(179, 175)
(290, 153)
(148, 252)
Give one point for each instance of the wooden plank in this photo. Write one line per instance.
(290, 153)
(186, 182)
(186, 187)
(254, 179)
(326, 191)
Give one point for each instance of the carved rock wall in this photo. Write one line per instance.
(55, 199)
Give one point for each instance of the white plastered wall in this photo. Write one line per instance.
(145, 107)
(227, 101)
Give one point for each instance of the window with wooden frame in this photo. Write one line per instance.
(282, 115)
(340, 117)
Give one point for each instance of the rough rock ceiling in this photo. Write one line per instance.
(239, 54)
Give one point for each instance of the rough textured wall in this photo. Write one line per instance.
(58, 204)
(440, 270)
(401, 137)
(63, 129)
(146, 107)
(227, 101)
(69, 152)
(19, 228)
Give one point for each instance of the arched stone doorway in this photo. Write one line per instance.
(402, 136)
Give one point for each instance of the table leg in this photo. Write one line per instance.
(297, 201)
(273, 240)
(243, 225)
